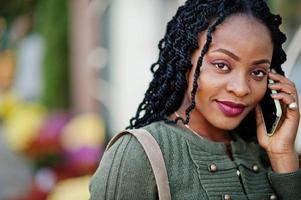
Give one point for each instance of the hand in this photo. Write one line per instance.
(280, 147)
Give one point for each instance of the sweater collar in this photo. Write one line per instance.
(238, 145)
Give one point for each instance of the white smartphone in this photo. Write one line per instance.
(271, 118)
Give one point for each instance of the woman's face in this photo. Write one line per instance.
(233, 76)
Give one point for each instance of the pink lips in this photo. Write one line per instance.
(230, 109)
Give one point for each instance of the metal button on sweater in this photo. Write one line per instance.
(273, 197)
(227, 197)
(213, 168)
(255, 168)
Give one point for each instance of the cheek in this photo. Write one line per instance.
(259, 91)
(212, 81)
(208, 87)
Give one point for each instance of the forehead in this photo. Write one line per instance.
(244, 24)
(242, 34)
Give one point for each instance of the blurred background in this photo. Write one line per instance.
(72, 74)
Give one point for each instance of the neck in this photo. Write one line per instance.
(198, 126)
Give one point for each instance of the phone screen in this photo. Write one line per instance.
(268, 116)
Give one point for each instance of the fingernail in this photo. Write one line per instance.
(274, 71)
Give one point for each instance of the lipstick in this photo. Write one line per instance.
(230, 109)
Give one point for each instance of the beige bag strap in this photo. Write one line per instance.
(154, 154)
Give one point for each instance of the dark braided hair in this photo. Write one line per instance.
(167, 88)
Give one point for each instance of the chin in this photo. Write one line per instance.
(228, 125)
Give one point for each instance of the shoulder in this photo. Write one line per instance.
(169, 137)
(156, 127)
(123, 169)
(173, 142)
(126, 150)
(162, 131)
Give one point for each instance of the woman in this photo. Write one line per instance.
(202, 108)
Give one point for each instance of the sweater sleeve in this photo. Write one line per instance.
(286, 185)
(124, 173)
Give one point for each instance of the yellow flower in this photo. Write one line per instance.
(22, 125)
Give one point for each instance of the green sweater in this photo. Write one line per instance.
(197, 169)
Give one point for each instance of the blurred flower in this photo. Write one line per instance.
(8, 100)
(45, 179)
(47, 142)
(73, 188)
(83, 130)
(83, 160)
(82, 141)
(22, 124)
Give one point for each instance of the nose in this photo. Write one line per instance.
(239, 86)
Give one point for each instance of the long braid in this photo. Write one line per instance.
(166, 90)
(200, 61)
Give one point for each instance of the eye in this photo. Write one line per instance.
(222, 66)
(259, 73)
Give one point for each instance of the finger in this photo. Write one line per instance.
(280, 78)
(283, 87)
(287, 100)
(296, 96)
(284, 97)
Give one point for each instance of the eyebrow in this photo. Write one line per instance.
(235, 57)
